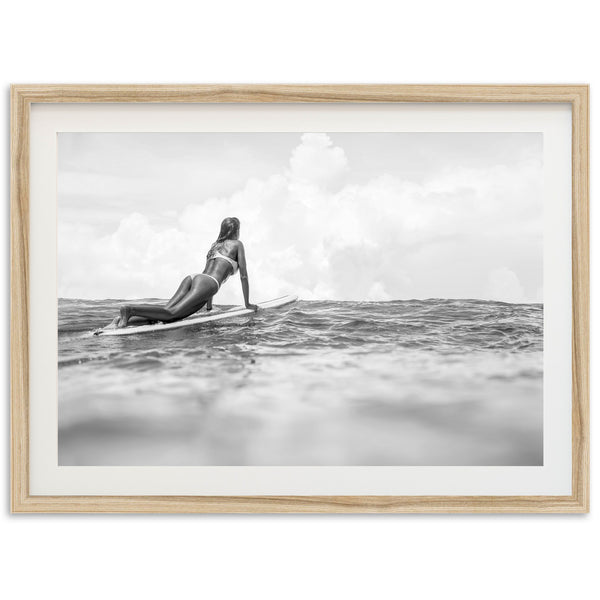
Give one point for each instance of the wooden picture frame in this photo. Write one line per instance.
(22, 98)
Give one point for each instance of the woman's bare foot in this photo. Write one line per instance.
(114, 323)
(125, 314)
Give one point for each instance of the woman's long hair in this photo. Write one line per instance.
(230, 229)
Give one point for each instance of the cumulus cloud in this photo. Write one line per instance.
(464, 232)
(317, 161)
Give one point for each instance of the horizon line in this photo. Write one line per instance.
(317, 300)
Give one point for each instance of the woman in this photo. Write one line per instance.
(224, 258)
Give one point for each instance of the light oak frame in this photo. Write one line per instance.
(22, 96)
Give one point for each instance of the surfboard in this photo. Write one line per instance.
(238, 311)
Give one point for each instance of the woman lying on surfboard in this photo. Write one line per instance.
(224, 258)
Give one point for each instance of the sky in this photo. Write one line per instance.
(327, 216)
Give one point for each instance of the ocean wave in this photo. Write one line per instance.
(405, 382)
(430, 324)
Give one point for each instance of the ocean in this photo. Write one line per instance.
(414, 382)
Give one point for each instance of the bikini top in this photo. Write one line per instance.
(232, 262)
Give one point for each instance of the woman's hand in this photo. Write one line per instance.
(252, 306)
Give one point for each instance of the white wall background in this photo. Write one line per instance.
(414, 557)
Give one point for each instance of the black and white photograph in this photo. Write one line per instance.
(300, 298)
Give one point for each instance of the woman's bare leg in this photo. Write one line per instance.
(159, 313)
(115, 323)
(182, 290)
(194, 300)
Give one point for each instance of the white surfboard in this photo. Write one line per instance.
(238, 311)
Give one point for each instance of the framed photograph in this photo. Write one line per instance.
(300, 298)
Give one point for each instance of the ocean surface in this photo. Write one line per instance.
(417, 382)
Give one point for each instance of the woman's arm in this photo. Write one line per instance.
(241, 259)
